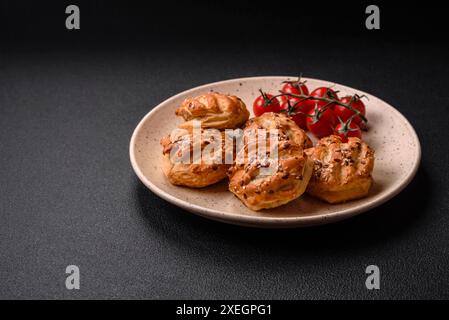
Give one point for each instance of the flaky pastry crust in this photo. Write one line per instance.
(341, 171)
(284, 178)
(213, 110)
(180, 166)
(288, 130)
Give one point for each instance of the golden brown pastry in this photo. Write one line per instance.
(342, 171)
(265, 182)
(213, 110)
(183, 166)
(287, 128)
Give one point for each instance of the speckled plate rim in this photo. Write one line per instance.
(270, 222)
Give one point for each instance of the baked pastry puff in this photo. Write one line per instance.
(342, 171)
(288, 130)
(213, 110)
(188, 161)
(266, 181)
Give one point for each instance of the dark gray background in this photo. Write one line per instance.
(69, 102)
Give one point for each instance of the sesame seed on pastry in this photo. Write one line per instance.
(341, 171)
(185, 167)
(266, 181)
(287, 128)
(213, 110)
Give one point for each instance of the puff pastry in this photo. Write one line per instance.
(285, 177)
(213, 110)
(341, 171)
(288, 130)
(184, 167)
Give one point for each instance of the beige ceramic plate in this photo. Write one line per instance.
(396, 144)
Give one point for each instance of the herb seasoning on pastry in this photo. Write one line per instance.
(342, 171)
(287, 129)
(213, 110)
(264, 181)
(184, 166)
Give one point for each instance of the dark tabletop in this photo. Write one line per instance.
(68, 196)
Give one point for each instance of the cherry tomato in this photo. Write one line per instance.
(297, 110)
(322, 92)
(345, 113)
(265, 103)
(321, 122)
(347, 129)
(294, 87)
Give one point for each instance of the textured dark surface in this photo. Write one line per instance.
(68, 194)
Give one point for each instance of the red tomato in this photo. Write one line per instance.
(345, 113)
(322, 92)
(297, 110)
(294, 87)
(321, 122)
(347, 129)
(265, 103)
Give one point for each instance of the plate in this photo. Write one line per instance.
(394, 140)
